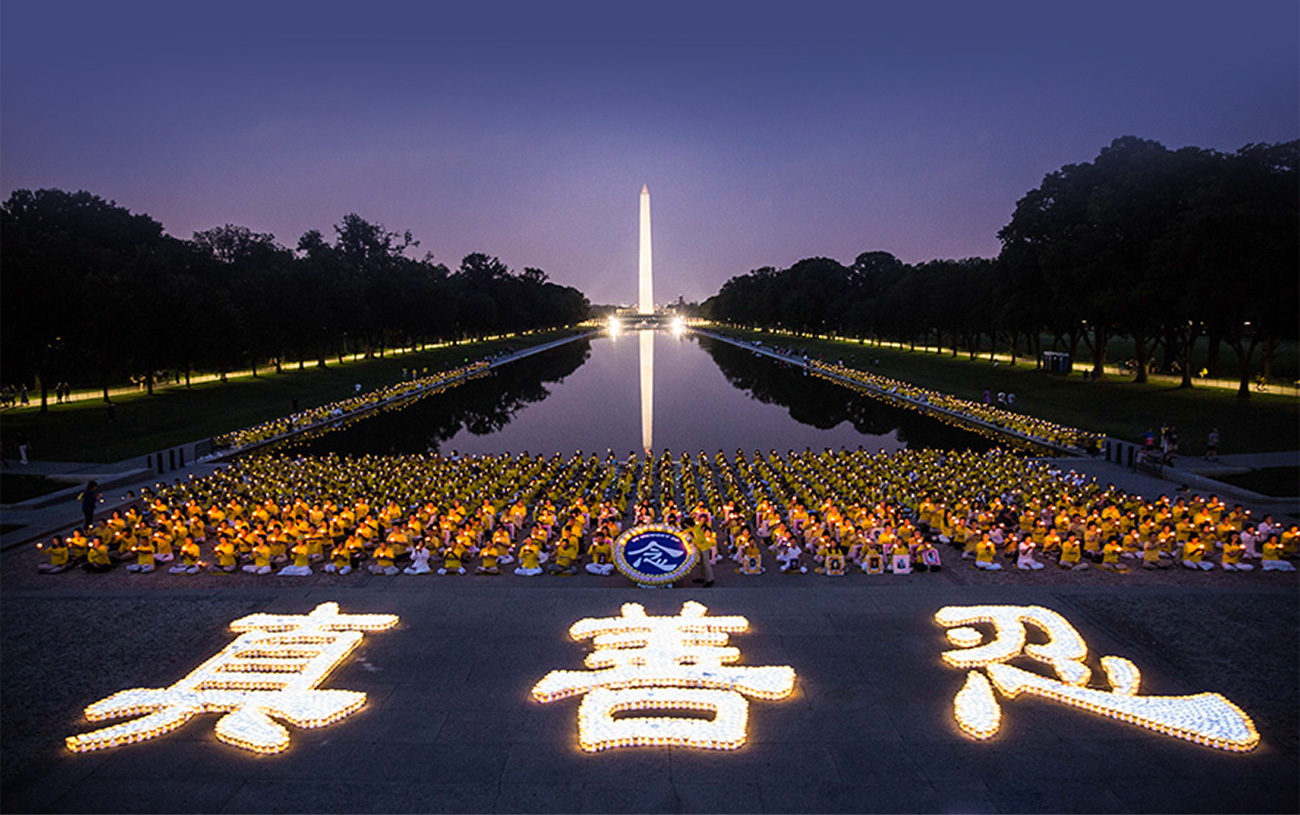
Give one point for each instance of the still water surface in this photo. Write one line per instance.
(649, 388)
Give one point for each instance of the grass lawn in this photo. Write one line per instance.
(7, 528)
(1114, 406)
(82, 431)
(15, 487)
(1279, 482)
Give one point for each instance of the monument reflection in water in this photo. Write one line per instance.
(655, 390)
(646, 344)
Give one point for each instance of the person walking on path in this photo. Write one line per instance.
(89, 498)
(23, 444)
(1212, 445)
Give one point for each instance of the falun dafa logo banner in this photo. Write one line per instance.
(654, 554)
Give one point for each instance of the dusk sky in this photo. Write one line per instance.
(766, 132)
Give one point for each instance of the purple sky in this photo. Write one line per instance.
(767, 133)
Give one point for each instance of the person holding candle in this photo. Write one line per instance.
(419, 560)
(301, 566)
(1272, 558)
(601, 555)
(97, 557)
(1232, 552)
(58, 554)
(1194, 555)
(340, 559)
(530, 564)
(144, 552)
(189, 562)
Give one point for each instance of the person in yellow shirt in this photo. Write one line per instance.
(144, 554)
(398, 540)
(97, 558)
(1272, 560)
(382, 563)
(501, 540)
(488, 559)
(833, 558)
(1093, 542)
(453, 559)
(60, 560)
(566, 556)
(1289, 538)
(1232, 551)
(340, 559)
(1071, 551)
(751, 556)
(163, 546)
(970, 538)
(189, 562)
(124, 544)
(705, 543)
(1151, 554)
(1194, 555)
(1110, 556)
(261, 559)
(530, 564)
(601, 555)
(986, 554)
(301, 566)
(78, 544)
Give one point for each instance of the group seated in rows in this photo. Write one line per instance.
(811, 513)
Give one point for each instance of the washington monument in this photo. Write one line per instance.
(646, 303)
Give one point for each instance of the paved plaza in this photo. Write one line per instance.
(449, 723)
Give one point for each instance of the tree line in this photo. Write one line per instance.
(94, 293)
(1161, 246)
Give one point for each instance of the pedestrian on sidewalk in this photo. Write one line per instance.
(89, 497)
(1212, 445)
(23, 444)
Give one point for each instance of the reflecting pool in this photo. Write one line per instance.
(638, 390)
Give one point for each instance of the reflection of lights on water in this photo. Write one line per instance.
(647, 342)
(678, 326)
(614, 326)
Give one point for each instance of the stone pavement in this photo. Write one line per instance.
(449, 725)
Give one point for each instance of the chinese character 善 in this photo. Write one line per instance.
(663, 663)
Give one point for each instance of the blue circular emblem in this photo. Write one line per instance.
(654, 554)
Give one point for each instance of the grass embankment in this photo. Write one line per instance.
(1114, 406)
(1279, 482)
(15, 488)
(83, 431)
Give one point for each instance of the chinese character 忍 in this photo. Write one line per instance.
(1205, 718)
